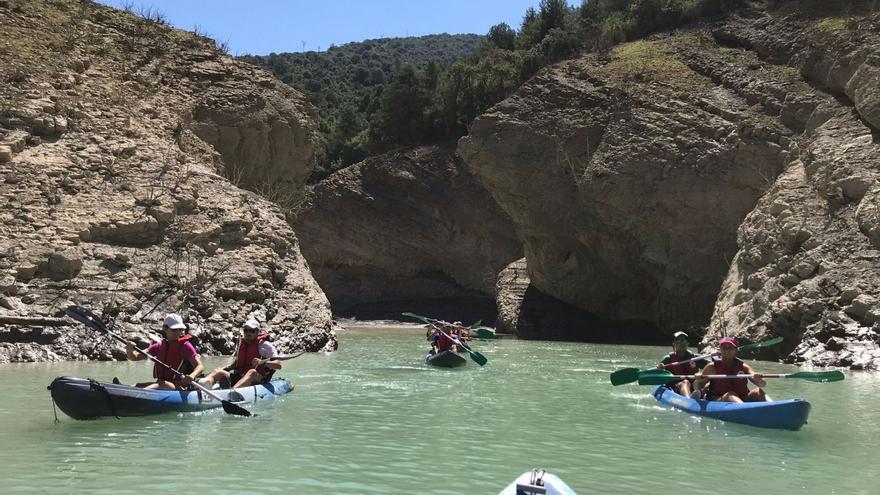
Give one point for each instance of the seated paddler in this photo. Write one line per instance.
(443, 341)
(176, 351)
(731, 390)
(253, 362)
(674, 362)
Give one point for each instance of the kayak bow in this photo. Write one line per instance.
(537, 482)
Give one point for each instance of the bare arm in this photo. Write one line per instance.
(273, 365)
(758, 380)
(198, 367)
(132, 353)
(700, 382)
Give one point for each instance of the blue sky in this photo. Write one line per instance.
(259, 27)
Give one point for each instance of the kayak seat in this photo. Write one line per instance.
(529, 489)
(535, 485)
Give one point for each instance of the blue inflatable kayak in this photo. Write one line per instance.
(445, 359)
(82, 398)
(536, 482)
(785, 414)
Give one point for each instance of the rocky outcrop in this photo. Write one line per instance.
(111, 199)
(808, 258)
(409, 230)
(680, 168)
(627, 183)
(260, 128)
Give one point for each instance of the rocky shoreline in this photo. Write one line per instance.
(120, 193)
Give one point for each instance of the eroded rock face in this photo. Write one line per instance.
(260, 128)
(643, 182)
(808, 258)
(410, 229)
(627, 193)
(111, 201)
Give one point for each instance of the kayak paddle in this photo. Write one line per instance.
(476, 356)
(662, 377)
(484, 333)
(92, 320)
(282, 358)
(629, 375)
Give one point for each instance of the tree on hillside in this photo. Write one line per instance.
(456, 99)
(530, 30)
(502, 36)
(400, 120)
(552, 14)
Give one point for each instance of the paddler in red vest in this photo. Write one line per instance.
(252, 363)
(176, 351)
(681, 353)
(727, 390)
(443, 341)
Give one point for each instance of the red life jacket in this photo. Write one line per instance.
(247, 353)
(679, 369)
(445, 343)
(721, 387)
(169, 353)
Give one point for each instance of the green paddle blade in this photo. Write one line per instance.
(818, 376)
(417, 317)
(484, 333)
(657, 377)
(478, 358)
(760, 345)
(625, 375)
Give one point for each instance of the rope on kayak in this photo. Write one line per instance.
(54, 411)
(97, 387)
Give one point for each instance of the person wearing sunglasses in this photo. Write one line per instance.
(674, 363)
(253, 363)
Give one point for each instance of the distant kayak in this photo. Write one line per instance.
(82, 398)
(535, 482)
(784, 414)
(445, 359)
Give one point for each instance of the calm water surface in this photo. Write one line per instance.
(372, 419)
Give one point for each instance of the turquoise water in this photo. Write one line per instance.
(372, 419)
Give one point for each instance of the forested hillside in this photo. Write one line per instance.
(346, 82)
(380, 94)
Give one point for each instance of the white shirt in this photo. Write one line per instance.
(267, 350)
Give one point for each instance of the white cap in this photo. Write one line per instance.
(173, 320)
(252, 324)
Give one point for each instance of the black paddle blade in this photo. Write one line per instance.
(86, 317)
(237, 410)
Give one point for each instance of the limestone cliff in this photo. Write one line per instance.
(721, 174)
(117, 134)
(409, 230)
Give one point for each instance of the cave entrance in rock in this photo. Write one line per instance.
(467, 309)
